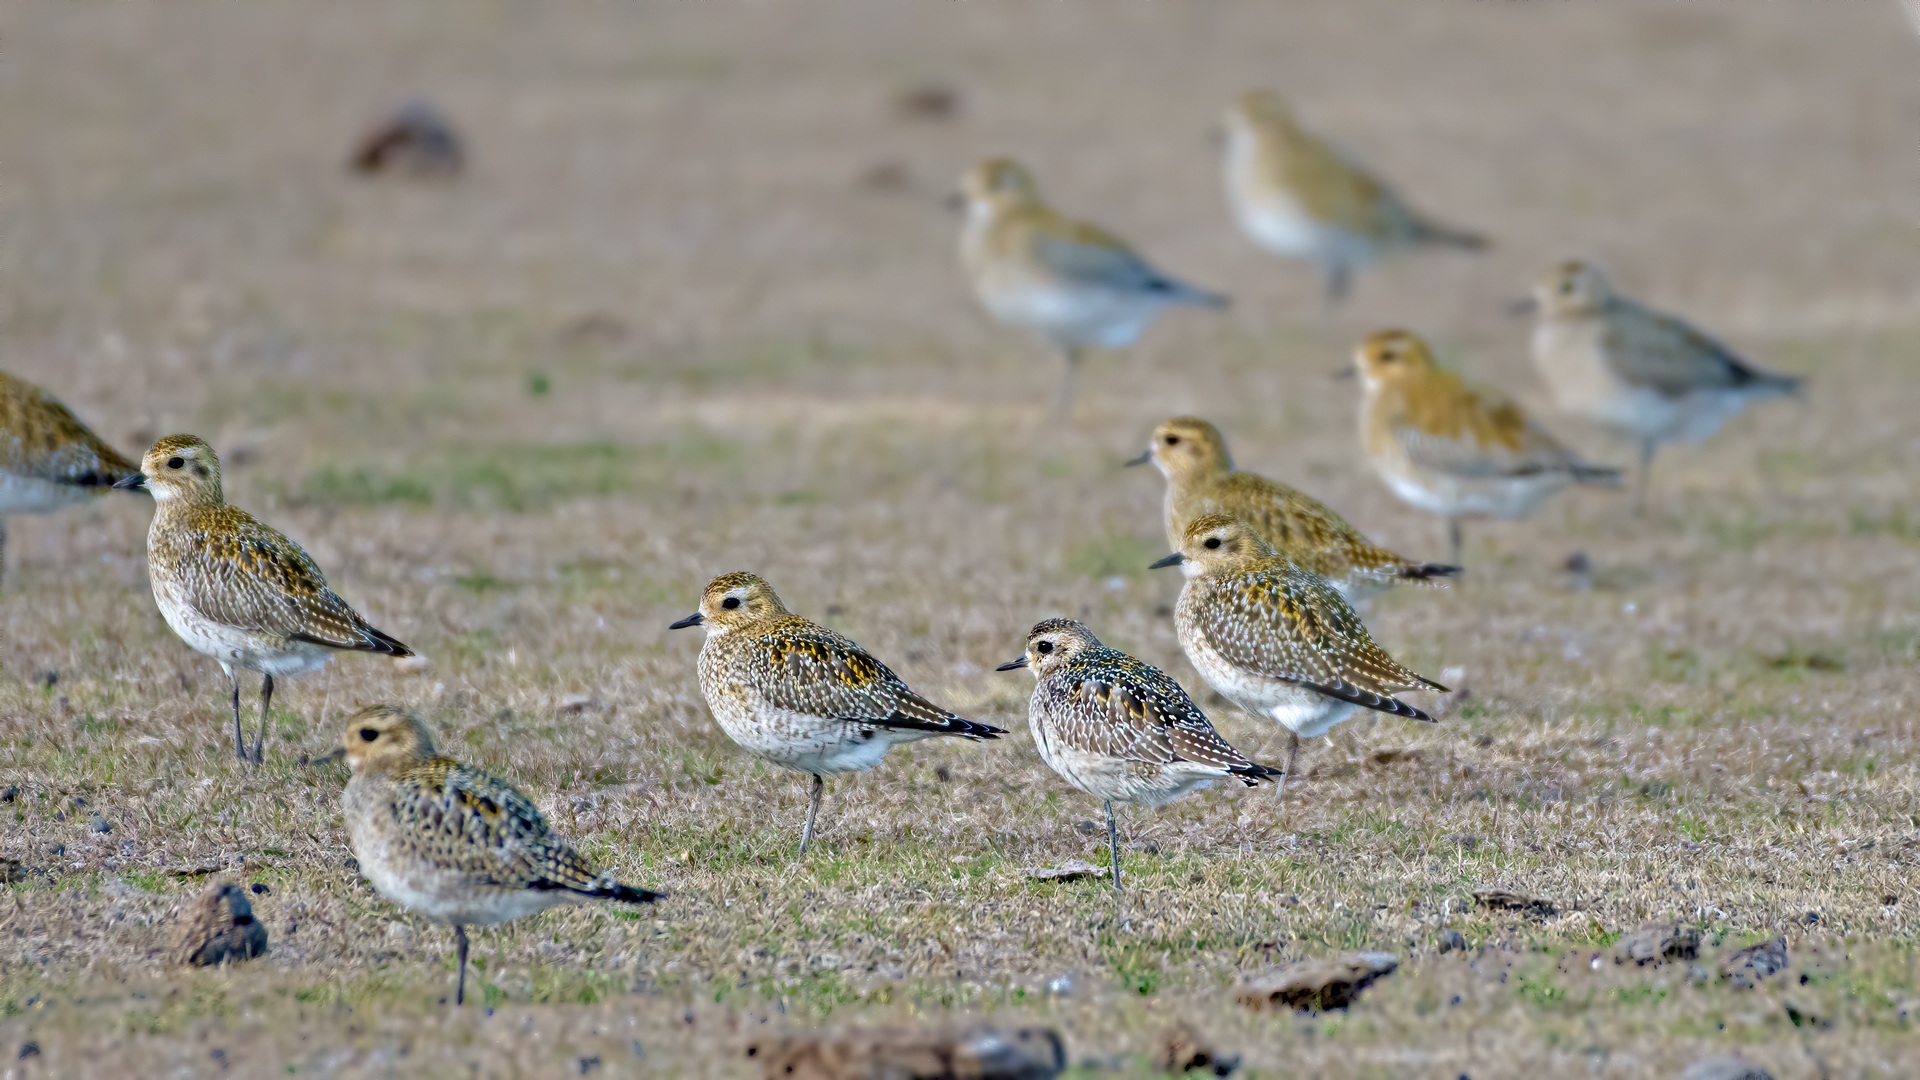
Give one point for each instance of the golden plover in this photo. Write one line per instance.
(796, 694)
(1301, 198)
(235, 589)
(1075, 284)
(455, 844)
(48, 459)
(1454, 450)
(1643, 371)
(1201, 479)
(1277, 640)
(1118, 728)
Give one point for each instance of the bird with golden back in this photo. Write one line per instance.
(1279, 640)
(794, 693)
(235, 589)
(1119, 728)
(49, 460)
(1300, 197)
(1456, 450)
(1639, 370)
(1201, 479)
(1073, 283)
(461, 846)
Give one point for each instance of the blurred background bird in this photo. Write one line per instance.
(1454, 450)
(1637, 369)
(1192, 454)
(1300, 197)
(1075, 284)
(48, 458)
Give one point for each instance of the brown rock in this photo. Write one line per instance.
(1508, 900)
(1658, 943)
(1724, 1068)
(1744, 968)
(414, 140)
(1317, 984)
(217, 927)
(981, 1052)
(1183, 1049)
(931, 101)
(1071, 870)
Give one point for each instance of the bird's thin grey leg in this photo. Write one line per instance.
(1063, 403)
(1113, 844)
(1338, 278)
(813, 811)
(460, 947)
(1453, 539)
(1647, 447)
(1293, 755)
(266, 696)
(239, 736)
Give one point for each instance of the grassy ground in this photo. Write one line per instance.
(672, 325)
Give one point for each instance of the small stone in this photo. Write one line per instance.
(9, 793)
(259, 888)
(1071, 870)
(1183, 1049)
(1085, 828)
(11, 870)
(1313, 985)
(414, 140)
(1452, 941)
(981, 1052)
(929, 101)
(100, 825)
(942, 774)
(1466, 840)
(1744, 968)
(218, 927)
(1658, 943)
(1507, 900)
(1724, 1068)
(29, 1050)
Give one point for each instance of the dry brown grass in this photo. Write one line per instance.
(664, 329)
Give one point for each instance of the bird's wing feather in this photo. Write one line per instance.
(251, 576)
(819, 673)
(1291, 624)
(1663, 352)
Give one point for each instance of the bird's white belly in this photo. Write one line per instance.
(444, 895)
(808, 743)
(32, 495)
(1104, 318)
(1283, 227)
(1508, 498)
(1305, 712)
(1105, 777)
(235, 647)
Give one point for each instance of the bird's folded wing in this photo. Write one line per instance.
(819, 673)
(1665, 353)
(1497, 441)
(474, 822)
(251, 577)
(1090, 257)
(1298, 628)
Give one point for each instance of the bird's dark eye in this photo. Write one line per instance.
(1213, 541)
(730, 602)
(1043, 647)
(368, 734)
(174, 463)
(1173, 440)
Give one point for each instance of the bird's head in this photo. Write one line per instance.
(1572, 288)
(733, 600)
(1051, 643)
(385, 739)
(1256, 111)
(180, 467)
(1217, 542)
(996, 181)
(1392, 357)
(1186, 447)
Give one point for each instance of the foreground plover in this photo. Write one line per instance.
(1301, 198)
(1118, 728)
(1454, 450)
(455, 844)
(795, 693)
(1277, 640)
(48, 459)
(1643, 371)
(1075, 284)
(1201, 479)
(235, 589)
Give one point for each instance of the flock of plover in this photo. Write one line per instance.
(1265, 615)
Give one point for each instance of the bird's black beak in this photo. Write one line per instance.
(1012, 664)
(1522, 307)
(694, 619)
(134, 482)
(1145, 456)
(1174, 559)
(338, 753)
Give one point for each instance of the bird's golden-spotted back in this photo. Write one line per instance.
(40, 438)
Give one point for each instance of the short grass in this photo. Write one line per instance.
(664, 330)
